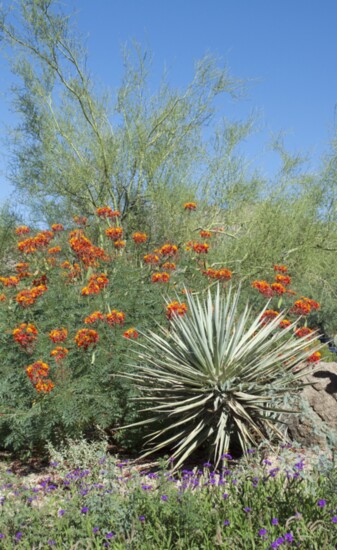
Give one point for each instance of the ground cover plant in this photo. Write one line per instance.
(88, 499)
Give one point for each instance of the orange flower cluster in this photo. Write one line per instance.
(175, 309)
(74, 270)
(32, 244)
(303, 331)
(27, 296)
(280, 268)
(205, 234)
(57, 227)
(85, 250)
(314, 357)
(22, 230)
(25, 335)
(304, 306)
(80, 220)
(42, 280)
(169, 266)
(10, 281)
(59, 353)
(58, 335)
(37, 373)
(131, 333)
(85, 337)
(285, 323)
(115, 318)
(151, 259)
(3, 297)
(263, 287)
(139, 238)
(21, 269)
(168, 250)
(119, 244)
(221, 274)
(54, 250)
(200, 248)
(278, 289)
(107, 212)
(94, 317)
(268, 315)
(96, 284)
(190, 206)
(114, 233)
(160, 277)
(283, 279)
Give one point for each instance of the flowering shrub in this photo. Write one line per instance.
(67, 298)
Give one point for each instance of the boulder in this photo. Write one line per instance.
(317, 422)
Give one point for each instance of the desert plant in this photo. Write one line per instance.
(217, 375)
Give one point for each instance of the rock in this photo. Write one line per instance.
(317, 423)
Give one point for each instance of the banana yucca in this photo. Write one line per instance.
(217, 376)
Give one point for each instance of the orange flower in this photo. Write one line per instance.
(94, 317)
(58, 335)
(263, 287)
(160, 277)
(119, 244)
(57, 227)
(169, 266)
(3, 298)
(74, 271)
(285, 323)
(85, 337)
(131, 333)
(44, 386)
(268, 315)
(205, 234)
(22, 230)
(107, 212)
(114, 233)
(151, 259)
(200, 248)
(54, 250)
(312, 303)
(190, 206)
(27, 297)
(85, 250)
(169, 250)
(283, 279)
(281, 268)
(222, 274)
(42, 280)
(80, 220)
(139, 237)
(96, 284)
(301, 307)
(9, 281)
(175, 309)
(59, 353)
(115, 318)
(36, 372)
(314, 357)
(22, 266)
(25, 335)
(278, 289)
(303, 331)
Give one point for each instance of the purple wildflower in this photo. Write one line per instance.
(226, 522)
(225, 495)
(51, 542)
(110, 535)
(262, 532)
(164, 498)
(247, 509)
(18, 535)
(84, 510)
(95, 530)
(141, 518)
(61, 512)
(2, 536)
(288, 537)
(334, 519)
(228, 456)
(321, 503)
(274, 521)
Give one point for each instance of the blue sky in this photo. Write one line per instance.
(287, 49)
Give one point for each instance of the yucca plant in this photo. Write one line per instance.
(217, 376)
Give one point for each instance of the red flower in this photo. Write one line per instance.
(119, 244)
(205, 234)
(169, 250)
(263, 287)
(131, 333)
(303, 331)
(301, 307)
(281, 268)
(58, 335)
(107, 212)
(25, 335)
(314, 357)
(160, 277)
(22, 230)
(114, 233)
(57, 227)
(85, 337)
(169, 266)
(200, 248)
(115, 318)
(222, 274)
(268, 315)
(190, 206)
(139, 238)
(283, 279)
(94, 317)
(278, 289)
(175, 308)
(59, 353)
(285, 323)
(151, 259)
